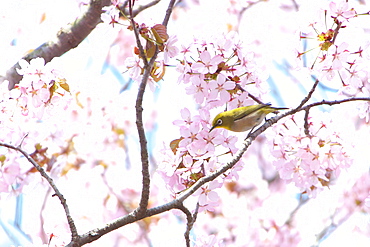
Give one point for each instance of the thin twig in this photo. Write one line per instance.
(309, 95)
(168, 12)
(139, 114)
(255, 98)
(137, 36)
(331, 228)
(145, 192)
(334, 102)
(63, 201)
(139, 9)
(22, 140)
(306, 124)
(302, 201)
(176, 203)
(190, 218)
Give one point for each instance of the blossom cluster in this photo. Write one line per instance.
(40, 89)
(222, 73)
(41, 93)
(217, 74)
(339, 59)
(311, 161)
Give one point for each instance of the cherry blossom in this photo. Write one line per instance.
(170, 50)
(311, 162)
(340, 55)
(199, 88)
(220, 87)
(207, 63)
(341, 11)
(208, 198)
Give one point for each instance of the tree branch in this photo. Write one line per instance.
(168, 12)
(178, 202)
(63, 201)
(95, 234)
(190, 218)
(309, 95)
(67, 39)
(136, 11)
(139, 114)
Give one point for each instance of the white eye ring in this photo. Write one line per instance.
(219, 122)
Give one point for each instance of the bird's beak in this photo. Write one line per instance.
(212, 128)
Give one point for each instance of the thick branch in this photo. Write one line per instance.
(67, 39)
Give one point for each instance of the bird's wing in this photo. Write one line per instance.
(250, 109)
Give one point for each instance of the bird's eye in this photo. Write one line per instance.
(219, 122)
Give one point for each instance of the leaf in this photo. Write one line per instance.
(196, 176)
(149, 49)
(63, 84)
(160, 33)
(157, 76)
(175, 144)
(2, 159)
(52, 90)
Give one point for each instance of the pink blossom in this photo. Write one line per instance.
(110, 15)
(184, 71)
(185, 49)
(134, 66)
(207, 64)
(223, 44)
(229, 142)
(211, 138)
(189, 134)
(364, 110)
(234, 172)
(190, 165)
(220, 87)
(185, 114)
(340, 55)
(204, 118)
(328, 72)
(310, 162)
(170, 49)
(200, 149)
(34, 67)
(341, 11)
(208, 198)
(199, 88)
(367, 201)
(207, 241)
(357, 196)
(242, 100)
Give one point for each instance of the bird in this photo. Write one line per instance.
(243, 118)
